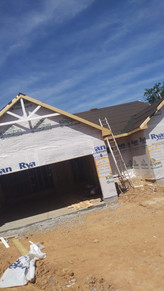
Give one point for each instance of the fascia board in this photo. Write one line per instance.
(9, 105)
(103, 130)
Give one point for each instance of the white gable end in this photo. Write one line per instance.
(32, 135)
(42, 137)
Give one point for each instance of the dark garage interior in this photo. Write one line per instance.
(42, 189)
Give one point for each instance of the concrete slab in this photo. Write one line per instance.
(25, 224)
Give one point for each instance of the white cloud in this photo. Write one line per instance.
(17, 32)
(134, 91)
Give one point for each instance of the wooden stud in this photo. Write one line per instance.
(14, 115)
(23, 251)
(34, 111)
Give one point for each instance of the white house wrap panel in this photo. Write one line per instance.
(148, 149)
(32, 136)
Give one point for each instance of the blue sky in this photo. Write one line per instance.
(80, 54)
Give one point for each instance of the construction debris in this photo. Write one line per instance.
(23, 269)
(84, 204)
(23, 251)
(4, 242)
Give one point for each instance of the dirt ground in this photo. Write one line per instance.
(119, 248)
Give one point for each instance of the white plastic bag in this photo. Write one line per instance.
(23, 269)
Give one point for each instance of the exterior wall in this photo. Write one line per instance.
(155, 144)
(141, 160)
(49, 140)
(104, 171)
(148, 149)
(125, 149)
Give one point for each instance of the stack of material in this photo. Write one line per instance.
(84, 204)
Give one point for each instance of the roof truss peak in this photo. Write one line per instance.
(25, 117)
(28, 117)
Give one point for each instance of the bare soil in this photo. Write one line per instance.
(118, 248)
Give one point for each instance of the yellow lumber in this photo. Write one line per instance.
(23, 251)
(104, 131)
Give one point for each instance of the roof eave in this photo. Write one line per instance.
(131, 132)
(143, 125)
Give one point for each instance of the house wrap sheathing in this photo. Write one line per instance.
(139, 131)
(147, 149)
(34, 134)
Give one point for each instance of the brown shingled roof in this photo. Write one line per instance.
(118, 115)
(136, 120)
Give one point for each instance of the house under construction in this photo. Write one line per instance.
(52, 159)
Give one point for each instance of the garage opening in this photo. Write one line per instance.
(46, 188)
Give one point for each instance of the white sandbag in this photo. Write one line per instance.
(23, 269)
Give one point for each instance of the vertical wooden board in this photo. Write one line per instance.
(104, 170)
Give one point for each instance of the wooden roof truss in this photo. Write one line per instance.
(25, 117)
